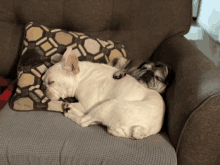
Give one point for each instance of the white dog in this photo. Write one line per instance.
(127, 107)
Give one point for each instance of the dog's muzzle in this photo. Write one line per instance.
(147, 76)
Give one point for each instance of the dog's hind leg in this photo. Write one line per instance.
(139, 132)
(136, 132)
(119, 132)
(96, 114)
(88, 120)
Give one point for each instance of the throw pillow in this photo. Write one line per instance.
(42, 47)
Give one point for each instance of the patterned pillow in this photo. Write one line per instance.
(42, 47)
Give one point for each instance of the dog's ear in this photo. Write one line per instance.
(66, 54)
(71, 61)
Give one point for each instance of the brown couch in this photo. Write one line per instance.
(150, 30)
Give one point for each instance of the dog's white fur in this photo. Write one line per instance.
(125, 106)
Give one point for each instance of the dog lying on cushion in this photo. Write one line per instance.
(130, 107)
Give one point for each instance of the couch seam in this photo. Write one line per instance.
(63, 13)
(111, 15)
(14, 11)
(12, 22)
(191, 13)
(193, 114)
(123, 30)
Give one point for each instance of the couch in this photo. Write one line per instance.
(150, 30)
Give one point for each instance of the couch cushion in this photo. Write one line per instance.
(140, 25)
(43, 137)
(42, 47)
(10, 44)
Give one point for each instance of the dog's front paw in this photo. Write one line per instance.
(65, 107)
(71, 116)
(73, 108)
(71, 112)
(119, 74)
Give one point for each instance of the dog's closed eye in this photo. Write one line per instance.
(159, 79)
(50, 82)
(159, 65)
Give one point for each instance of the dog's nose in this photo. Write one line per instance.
(147, 76)
(149, 73)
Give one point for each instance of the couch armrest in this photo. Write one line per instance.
(193, 102)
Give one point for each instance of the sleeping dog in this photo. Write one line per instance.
(130, 107)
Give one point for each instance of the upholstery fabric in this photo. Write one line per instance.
(6, 88)
(202, 147)
(140, 25)
(10, 42)
(194, 93)
(42, 47)
(149, 29)
(45, 137)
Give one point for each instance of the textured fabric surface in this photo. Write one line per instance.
(203, 126)
(10, 43)
(42, 47)
(42, 137)
(196, 79)
(140, 25)
(6, 88)
(192, 102)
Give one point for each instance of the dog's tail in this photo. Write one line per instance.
(139, 132)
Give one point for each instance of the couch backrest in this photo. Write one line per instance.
(141, 25)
